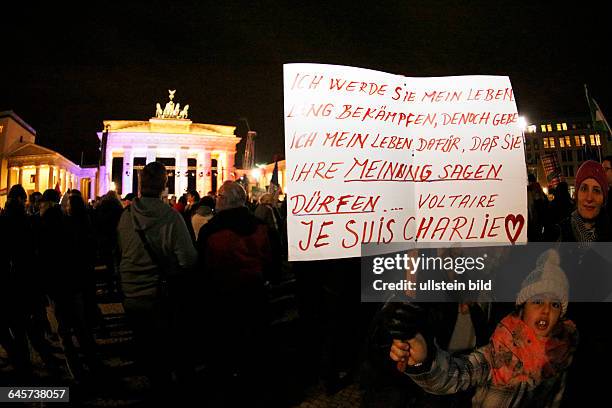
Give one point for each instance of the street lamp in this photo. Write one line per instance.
(522, 125)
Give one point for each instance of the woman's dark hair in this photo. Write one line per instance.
(194, 194)
(208, 201)
(15, 203)
(77, 205)
(17, 191)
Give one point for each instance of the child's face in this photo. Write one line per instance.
(541, 313)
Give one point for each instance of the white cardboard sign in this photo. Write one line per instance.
(376, 158)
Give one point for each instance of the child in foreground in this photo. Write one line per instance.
(526, 360)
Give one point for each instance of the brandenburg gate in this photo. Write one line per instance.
(197, 156)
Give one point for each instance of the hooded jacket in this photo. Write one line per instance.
(168, 237)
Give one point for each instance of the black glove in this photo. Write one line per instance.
(404, 320)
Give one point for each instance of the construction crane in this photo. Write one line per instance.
(248, 160)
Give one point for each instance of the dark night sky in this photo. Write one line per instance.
(65, 70)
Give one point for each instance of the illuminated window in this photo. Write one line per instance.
(543, 127)
(532, 128)
(573, 126)
(577, 140)
(568, 141)
(561, 142)
(597, 140)
(546, 143)
(564, 126)
(558, 127)
(592, 139)
(583, 139)
(549, 127)
(551, 142)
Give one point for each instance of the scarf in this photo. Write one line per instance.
(581, 231)
(517, 355)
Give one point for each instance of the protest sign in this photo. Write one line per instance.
(376, 158)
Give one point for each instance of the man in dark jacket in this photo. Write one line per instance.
(236, 258)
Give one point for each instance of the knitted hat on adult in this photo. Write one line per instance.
(546, 278)
(594, 170)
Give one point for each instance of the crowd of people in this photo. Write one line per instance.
(194, 273)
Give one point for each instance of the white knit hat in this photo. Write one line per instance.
(547, 277)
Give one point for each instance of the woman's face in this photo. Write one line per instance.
(542, 313)
(590, 199)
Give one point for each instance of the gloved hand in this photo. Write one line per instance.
(407, 324)
(404, 320)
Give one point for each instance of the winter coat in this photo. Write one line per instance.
(515, 369)
(235, 252)
(168, 237)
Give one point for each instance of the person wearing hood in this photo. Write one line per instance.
(236, 258)
(590, 221)
(155, 251)
(202, 214)
(527, 359)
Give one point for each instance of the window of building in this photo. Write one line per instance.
(561, 142)
(543, 127)
(580, 155)
(549, 127)
(558, 127)
(577, 140)
(564, 126)
(573, 126)
(597, 140)
(583, 139)
(551, 142)
(570, 155)
(546, 143)
(592, 139)
(532, 128)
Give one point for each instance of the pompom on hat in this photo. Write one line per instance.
(546, 278)
(594, 170)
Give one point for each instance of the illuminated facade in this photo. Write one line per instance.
(35, 167)
(196, 155)
(571, 141)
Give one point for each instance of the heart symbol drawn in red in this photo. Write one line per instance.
(518, 221)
